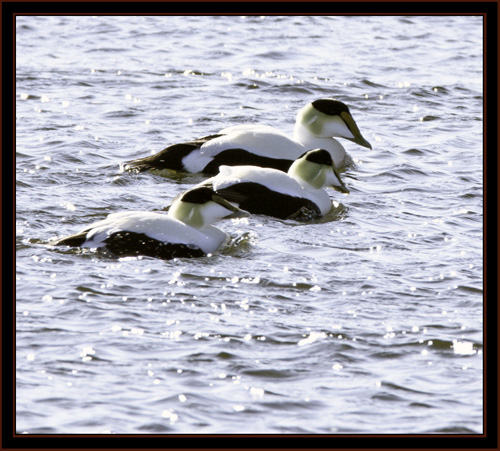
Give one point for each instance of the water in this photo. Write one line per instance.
(367, 321)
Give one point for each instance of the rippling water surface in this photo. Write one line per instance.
(367, 321)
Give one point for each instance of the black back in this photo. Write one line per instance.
(242, 157)
(258, 199)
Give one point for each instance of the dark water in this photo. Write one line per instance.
(368, 321)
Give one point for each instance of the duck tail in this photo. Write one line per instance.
(71, 240)
(169, 158)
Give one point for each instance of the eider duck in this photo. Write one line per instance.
(186, 230)
(298, 194)
(316, 126)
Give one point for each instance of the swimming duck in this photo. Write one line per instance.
(185, 231)
(298, 194)
(316, 126)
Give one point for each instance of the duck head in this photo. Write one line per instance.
(316, 168)
(328, 118)
(200, 207)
